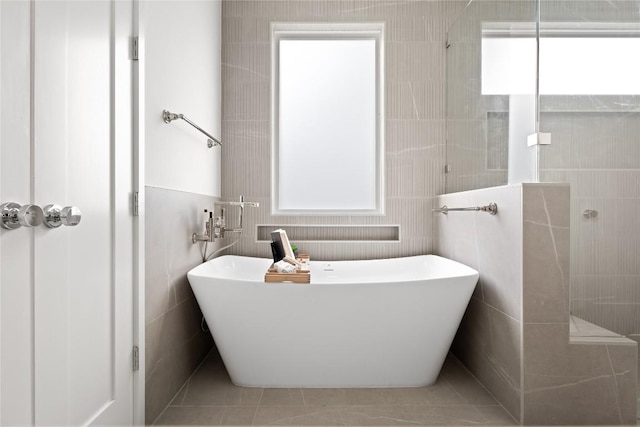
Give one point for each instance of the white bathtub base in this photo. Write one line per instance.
(333, 332)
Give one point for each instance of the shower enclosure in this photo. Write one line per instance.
(570, 69)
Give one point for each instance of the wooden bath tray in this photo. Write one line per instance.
(300, 276)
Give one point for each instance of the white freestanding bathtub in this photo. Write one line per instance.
(379, 323)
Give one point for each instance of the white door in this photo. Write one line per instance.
(69, 360)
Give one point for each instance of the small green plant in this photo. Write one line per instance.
(294, 248)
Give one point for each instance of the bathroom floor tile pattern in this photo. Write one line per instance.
(456, 399)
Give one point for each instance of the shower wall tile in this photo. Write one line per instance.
(174, 342)
(624, 364)
(592, 185)
(591, 140)
(576, 381)
(546, 253)
(467, 154)
(595, 149)
(589, 104)
(497, 140)
(415, 34)
(569, 383)
(612, 300)
(528, 361)
(597, 11)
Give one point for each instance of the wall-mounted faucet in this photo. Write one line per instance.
(216, 228)
(209, 227)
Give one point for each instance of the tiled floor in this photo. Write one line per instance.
(209, 398)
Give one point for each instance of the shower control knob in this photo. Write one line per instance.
(16, 216)
(56, 216)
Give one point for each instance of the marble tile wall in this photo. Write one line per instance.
(594, 147)
(489, 340)
(515, 335)
(415, 33)
(565, 381)
(596, 150)
(175, 344)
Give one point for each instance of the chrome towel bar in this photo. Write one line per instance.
(491, 208)
(168, 117)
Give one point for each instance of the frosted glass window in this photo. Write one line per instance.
(327, 123)
(568, 65)
(590, 66)
(508, 66)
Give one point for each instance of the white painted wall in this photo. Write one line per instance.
(182, 54)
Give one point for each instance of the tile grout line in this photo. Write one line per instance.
(183, 386)
(255, 412)
(487, 390)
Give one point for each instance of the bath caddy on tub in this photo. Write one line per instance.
(300, 276)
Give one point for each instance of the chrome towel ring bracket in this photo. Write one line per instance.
(168, 117)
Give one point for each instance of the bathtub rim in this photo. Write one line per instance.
(204, 270)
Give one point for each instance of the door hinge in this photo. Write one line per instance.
(447, 168)
(134, 48)
(136, 203)
(136, 358)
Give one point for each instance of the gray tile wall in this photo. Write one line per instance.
(415, 122)
(175, 344)
(594, 147)
(515, 335)
(489, 341)
(598, 152)
(577, 381)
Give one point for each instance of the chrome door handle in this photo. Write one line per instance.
(16, 216)
(54, 216)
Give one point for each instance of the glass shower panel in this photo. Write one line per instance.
(491, 84)
(590, 103)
